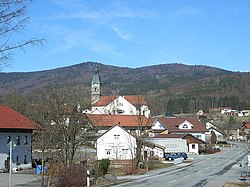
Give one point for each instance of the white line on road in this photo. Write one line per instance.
(186, 176)
(172, 181)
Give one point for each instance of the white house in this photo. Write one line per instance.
(179, 126)
(178, 142)
(116, 144)
(123, 105)
(18, 128)
(211, 127)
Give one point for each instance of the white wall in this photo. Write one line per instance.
(122, 105)
(19, 150)
(116, 144)
(171, 144)
(193, 148)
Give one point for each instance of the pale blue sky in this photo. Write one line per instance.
(137, 33)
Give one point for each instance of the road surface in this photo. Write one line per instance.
(211, 170)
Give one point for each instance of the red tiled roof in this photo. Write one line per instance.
(106, 120)
(172, 124)
(247, 125)
(136, 99)
(133, 99)
(11, 119)
(104, 100)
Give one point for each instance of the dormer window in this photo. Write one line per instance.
(120, 111)
(185, 126)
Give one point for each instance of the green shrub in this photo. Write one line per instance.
(101, 167)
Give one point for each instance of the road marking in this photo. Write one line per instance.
(186, 176)
(172, 181)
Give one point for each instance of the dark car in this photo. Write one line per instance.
(172, 156)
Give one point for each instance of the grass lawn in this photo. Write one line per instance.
(119, 169)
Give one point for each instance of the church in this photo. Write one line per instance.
(115, 104)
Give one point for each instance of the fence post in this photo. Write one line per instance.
(88, 179)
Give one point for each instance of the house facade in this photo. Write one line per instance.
(122, 105)
(116, 144)
(176, 125)
(17, 128)
(211, 127)
(178, 143)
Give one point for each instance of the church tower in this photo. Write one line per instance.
(96, 87)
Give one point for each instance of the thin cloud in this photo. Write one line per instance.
(68, 39)
(125, 35)
(187, 11)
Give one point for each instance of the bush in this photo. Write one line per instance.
(101, 167)
(73, 175)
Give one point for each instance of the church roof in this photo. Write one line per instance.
(133, 99)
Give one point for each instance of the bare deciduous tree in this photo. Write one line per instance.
(13, 19)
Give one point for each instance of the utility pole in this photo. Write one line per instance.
(10, 171)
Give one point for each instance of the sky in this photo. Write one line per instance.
(136, 33)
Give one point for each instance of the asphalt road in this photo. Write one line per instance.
(208, 170)
(205, 170)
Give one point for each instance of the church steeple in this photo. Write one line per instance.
(96, 86)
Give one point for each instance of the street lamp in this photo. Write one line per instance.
(10, 145)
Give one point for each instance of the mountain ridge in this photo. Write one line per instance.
(163, 82)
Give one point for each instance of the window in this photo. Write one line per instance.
(120, 104)
(108, 151)
(116, 136)
(18, 140)
(25, 159)
(193, 146)
(124, 151)
(198, 136)
(185, 126)
(17, 160)
(151, 153)
(26, 140)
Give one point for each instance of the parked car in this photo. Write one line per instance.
(172, 156)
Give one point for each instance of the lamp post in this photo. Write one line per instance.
(10, 145)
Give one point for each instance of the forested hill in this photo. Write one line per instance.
(160, 83)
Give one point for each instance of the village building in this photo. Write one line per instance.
(122, 105)
(186, 143)
(118, 144)
(212, 127)
(136, 125)
(177, 125)
(17, 128)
